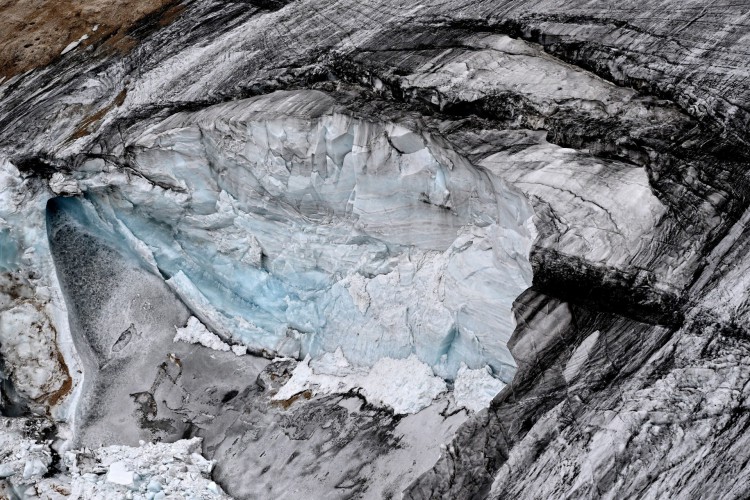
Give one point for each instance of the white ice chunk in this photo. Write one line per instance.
(357, 286)
(196, 333)
(63, 185)
(405, 385)
(119, 474)
(34, 467)
(475, 389)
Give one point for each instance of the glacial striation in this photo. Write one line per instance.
(457, 249)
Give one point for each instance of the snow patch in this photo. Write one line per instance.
(579, 357)
(73, 45)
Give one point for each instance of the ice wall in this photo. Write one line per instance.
(297, 229)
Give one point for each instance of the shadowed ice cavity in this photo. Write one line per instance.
(301, 234)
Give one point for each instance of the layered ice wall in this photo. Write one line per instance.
(297, 229)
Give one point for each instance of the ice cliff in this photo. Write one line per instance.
(295, 229)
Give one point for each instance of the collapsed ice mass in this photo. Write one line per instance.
(297, 230)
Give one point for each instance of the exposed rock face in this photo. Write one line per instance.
(552, 196)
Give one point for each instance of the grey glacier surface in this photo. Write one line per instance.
(348, 249)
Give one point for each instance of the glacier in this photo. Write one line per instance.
(465, 249)
(295, 228)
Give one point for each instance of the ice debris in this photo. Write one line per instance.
(196, 333)
(475, 389)
(25, 455)
(405, 385)
(21, 457)
(146, 472)
(152, 471)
